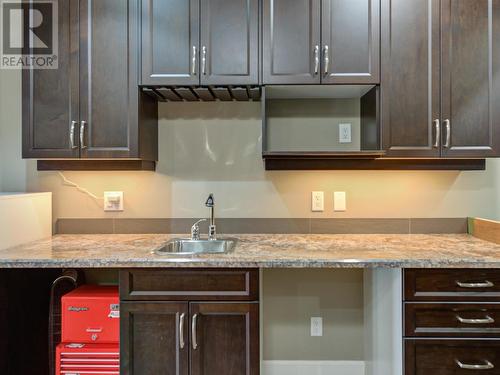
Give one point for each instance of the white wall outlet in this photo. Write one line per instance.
(316, 326)
(113, 201)
(345, 135)
(339, 201)
(318, 201)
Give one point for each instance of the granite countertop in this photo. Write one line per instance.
(265, 251)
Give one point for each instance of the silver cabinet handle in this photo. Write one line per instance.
(437, 128)
(486, 366)
(447, 125)
(487, 320)
(484, 284)
(82, 134)
(316, 59)
(181, 331)
(193, 332)
(204, 60)
(72, 135)
(327, 59)
(193, 62)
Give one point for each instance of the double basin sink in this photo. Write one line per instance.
(189, 247)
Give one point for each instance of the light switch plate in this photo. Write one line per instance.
(316, 326)
(339, 201)
(345, 133)
(113, 201)
(317, 201)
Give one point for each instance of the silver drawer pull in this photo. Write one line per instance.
(447, 124)
(487, 320)
(484, 284)
(437, 127)
(326, 59)
(181, 331)
(486, 366)
(72, 135)
(194, 338)
(316, 59)
(204, 60)
(193, 62)
(82, 134)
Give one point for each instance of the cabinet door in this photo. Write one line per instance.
(410, 77)
(229, 42)
(224, 339)
(350, 40)
(50, 96)
(170, 41)
(154, 338)
(108, 93)
(291, 41)
(471, 78)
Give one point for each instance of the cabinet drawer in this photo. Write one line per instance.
(452, 357)
(190, 284)
(452, 285)
(452, 320)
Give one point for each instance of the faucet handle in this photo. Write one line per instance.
(195, 229)
(210, 201)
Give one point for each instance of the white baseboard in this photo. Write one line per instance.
(313, 368)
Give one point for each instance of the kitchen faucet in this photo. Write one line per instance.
(212, 231)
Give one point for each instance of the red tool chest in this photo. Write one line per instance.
(91, 314)
(92, 359)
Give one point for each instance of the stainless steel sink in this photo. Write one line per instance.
(186, 247)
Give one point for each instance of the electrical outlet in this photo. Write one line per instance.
(339, 201)
(318, 201)
(345, 135)
(113, 201)
(316, 326)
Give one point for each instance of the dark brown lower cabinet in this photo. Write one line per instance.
(162, 336)
(151, 338)
(451, 357)
(224, 338)
(451, 321)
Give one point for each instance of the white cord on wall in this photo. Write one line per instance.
(78, 187)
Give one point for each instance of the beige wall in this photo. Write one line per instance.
(215, 147)
(312, 124)
(291, 297)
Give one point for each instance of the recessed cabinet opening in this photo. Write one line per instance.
(321, 119)
(330, 321)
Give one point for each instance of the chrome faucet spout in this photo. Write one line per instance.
(212, 232)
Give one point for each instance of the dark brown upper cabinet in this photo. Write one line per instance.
(91, 107)
(229, 42)
(441, 78)
(291, 41)
(470, 119)
(321, 41)
(50, 96)
(410, 77)
(170, 42)
(350, 39)
(207, 42)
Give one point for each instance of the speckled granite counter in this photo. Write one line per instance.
(265, 251)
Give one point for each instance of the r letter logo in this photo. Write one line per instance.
(29, 37)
